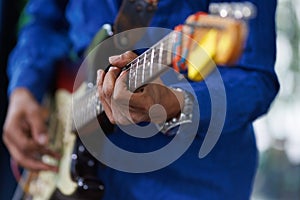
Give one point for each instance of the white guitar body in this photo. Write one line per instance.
(62, 138)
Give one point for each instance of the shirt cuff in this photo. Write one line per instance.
(32, 79)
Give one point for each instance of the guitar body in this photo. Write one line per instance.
(70, 183)
(43, 184)
(76, 178)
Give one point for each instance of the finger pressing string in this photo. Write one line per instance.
(123, 59)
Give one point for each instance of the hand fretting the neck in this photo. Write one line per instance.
(141, 71)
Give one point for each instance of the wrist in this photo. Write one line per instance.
(20, 92)
(175, 104)
(22, 98)
(183, 116)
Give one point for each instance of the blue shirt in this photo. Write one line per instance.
(227, 172)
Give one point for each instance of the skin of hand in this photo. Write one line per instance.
(24, 132)
(124, 107)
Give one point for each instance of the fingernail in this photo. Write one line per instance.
(42, 139)
(113, 59)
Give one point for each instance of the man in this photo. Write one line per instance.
(227, 172)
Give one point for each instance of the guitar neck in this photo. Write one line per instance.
(141, 71)
(152, 63)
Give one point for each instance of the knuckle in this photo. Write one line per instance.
(110, 117)
(122, 56)
(129, 55)
(101, 96)
(112, 120)
(126, 55)
(107, 92)
(99, 87)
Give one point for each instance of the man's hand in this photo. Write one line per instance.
(25, 132)
(124, 107)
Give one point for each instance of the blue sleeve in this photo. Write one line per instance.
(252, 84)
(41, 43)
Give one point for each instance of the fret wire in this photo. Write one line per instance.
(129, 78)
(169, 41)
(164, 40)
(163, 44)
(151, 62)
(144, 65)
(156, 54)
(136, 75)
(160, 55)
(169, 50)
(87, 107)
(156, 59)
(133, 71)
(134, 61)
(133, 75)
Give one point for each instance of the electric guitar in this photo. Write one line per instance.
(217, 39)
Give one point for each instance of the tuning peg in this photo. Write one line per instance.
(244, 10)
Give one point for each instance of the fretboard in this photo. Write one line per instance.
(151, 63)
(141, 71)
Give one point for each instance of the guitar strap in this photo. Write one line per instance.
(133, 14)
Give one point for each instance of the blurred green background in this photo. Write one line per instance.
(278, 133)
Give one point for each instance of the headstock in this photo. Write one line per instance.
(220, 37)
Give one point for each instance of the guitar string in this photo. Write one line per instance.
(90, 105)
